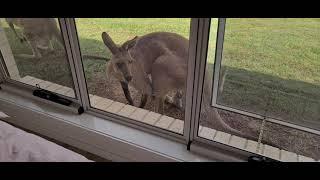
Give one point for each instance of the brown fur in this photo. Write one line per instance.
(38, 32)
(163, 57)
(157, 63)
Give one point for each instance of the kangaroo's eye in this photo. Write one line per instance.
(120, 65)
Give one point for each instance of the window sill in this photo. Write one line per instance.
(104, 138)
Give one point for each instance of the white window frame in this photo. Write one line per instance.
(198, 44)
(198, 39)
(200, 144)
(185, 137)
(69, 33)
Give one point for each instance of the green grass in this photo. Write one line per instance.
(275, 60)
(52, 68)
(287, 48)
(123, 29)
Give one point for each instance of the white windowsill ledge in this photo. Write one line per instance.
(105, 138)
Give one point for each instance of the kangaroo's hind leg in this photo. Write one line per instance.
(178, 100)
(21, 38)
(144, 98)
(162, 81)
(158, 104)
(158, 93)
(35, 51)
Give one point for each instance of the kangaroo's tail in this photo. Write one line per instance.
(95, 57)
(211, 114)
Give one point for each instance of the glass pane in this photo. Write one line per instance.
(34, 53)
(142, 58)
(269, 67)
(213, 120)
(272, 66)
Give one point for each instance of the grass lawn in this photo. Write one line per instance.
(287, 48)
(120, 30)
(275, 60)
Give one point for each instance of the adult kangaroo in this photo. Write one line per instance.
(154, 64)
(38, 32)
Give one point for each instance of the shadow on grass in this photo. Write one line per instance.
(290, 100)
(54, 67)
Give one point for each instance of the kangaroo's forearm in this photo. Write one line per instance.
(126, 91)
(14, 30)
(144, 98)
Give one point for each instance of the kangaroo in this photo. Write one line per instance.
(222, 78)
(38, 32)
(154, 64)
(211, 114)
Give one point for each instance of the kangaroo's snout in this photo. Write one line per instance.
(128, 78)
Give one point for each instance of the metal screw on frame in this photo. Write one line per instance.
(38, 86)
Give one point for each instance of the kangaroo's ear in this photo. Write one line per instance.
(109, 43)
(129, 44)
